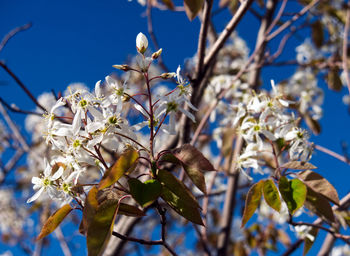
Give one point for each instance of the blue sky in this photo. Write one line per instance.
(79, 41)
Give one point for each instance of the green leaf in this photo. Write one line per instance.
(319, 205)
(293, 193)
(130, 210)
(177, 187)
(308, 243)
(193, 7)
(181, 206)
(298, 165)
(317, 33)
(100, 227)
(320, 185)
(252, 201)
(144, 193)
(194, 163)
(54, 221)
(271, 195)
(121, 166)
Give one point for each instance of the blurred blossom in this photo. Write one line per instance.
(341, 250)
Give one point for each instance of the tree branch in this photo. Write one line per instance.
(19, 82)
(12, 33)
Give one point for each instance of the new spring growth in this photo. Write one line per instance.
(122, 67)
(156, 54)
(141, 43)
(167, 75)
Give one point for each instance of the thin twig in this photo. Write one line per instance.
(203, 35)
(332, 153)
(153, 36)
(12, 33)
(19, 82)
(345, 238)
(227, 31)
(63, 243)
(344, 203)
(137, 240)
(18, 110)
(14, 129)
(230, 200)
(290, 22)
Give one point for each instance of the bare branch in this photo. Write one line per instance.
(153, 36)
(290, 22)
(19, 82)
(203, 35)
(230, 201)
(12, 33)
(332, 153)
(227, 31)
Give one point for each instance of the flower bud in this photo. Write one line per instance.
(141, 43)
(167, 75)
(156, 54)
(122, 67)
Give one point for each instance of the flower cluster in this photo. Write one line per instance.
(263, 122)
(83, 127)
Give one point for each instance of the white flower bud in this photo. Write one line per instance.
(141, 43)
(122, 67)
(167, 75)
(157, 54)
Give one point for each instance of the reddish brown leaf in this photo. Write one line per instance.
(320, 185)
(319, 205)
(298, 165)
(194, 163)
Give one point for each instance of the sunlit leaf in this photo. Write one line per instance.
(320, 185)
(298, 165)
(121, 166)
(308, 243)
(177, 187)
(144, 193)
(193, 7)
(252, 201)
(54, 221)
(293, 193)
(100, 227)
(181, 206)
(271, 195)
(319, 205)
(194, 163)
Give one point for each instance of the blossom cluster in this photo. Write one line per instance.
(83, 127)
